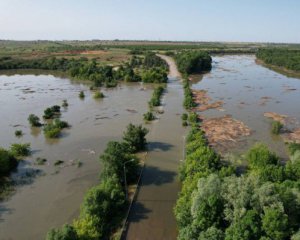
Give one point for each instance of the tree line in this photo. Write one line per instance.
(189, 62)
(150, 69)
(281, 57)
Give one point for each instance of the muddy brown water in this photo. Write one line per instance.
(53, 196)
(248, 90)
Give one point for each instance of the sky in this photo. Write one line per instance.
(173, 20)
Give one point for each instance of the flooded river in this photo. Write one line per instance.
(248, 90)
(52, 196)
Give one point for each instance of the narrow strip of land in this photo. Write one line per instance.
(151, 216)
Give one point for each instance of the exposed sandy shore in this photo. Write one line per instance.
(173, 71)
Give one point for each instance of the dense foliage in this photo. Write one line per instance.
(34, 120)
(104, 205)
(215, 203)
(20, 149)
(281, 57)
(276, 127)
(193, 62)
(8, 162)
(156, 96)
(53, 129)
(188, 102)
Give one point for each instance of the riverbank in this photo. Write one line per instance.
(281, 70)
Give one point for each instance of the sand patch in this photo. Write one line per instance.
(276, 117)
(292, 136)
(203, 101)
(224, 132)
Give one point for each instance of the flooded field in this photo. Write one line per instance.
(244, 90)
(48, 196)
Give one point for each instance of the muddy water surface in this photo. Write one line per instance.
(248, 90)
(52, 196)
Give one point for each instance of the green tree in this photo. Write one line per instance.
(67, 232)
(275, 223)
(7, 162)
(135, 137)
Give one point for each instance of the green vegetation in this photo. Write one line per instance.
(34, 120)
(18, 133)
(40, 161)
(216, 203)
(8, 163)
(81, 94)
(53, 130)
(184, 116)
(134, 137)
(219, 202)
(58, 162)
(67, 232)
(276, 127)
(52, 112)
(65, 103)
(20, 150)
(149, 116)
(288, 58)
(104, 205)
(154, 75)
(193, 62)
(156, 96)
(293, 148)
(188, 102)
(153, 61)
(98, 95)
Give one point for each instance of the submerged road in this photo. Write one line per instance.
(151, 215)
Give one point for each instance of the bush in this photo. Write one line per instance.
(20, 150)
(135, 137)
(293, 147)
(53, 130)
(18, 133)
(81, 95)
(184, 116)
(185, 123)
(34, 120)
(259, 156)
(8, 162)
(101, 211)
(193, 62)
(276, 127)
(98, 95)
(67, 232)
(155, 99)
(65, 103)
(149, 116)
(51, 112)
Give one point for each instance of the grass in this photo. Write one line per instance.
(149, 116)
(81, 95)
(276, 127)
(58, 162)
(98, 95)
(20, 150)
(18, 133)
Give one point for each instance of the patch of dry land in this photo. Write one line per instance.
(203, 101)
(224, 132)
(289, 135)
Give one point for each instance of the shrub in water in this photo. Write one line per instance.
(19, 149)
(149, 116)
(34, 120)
(276, 127)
